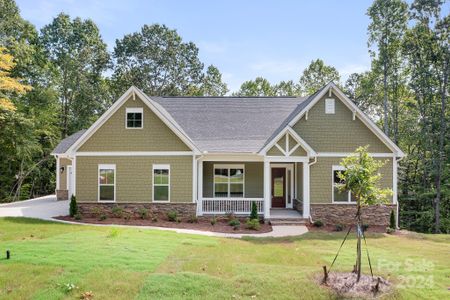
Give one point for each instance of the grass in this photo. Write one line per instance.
(118, 263)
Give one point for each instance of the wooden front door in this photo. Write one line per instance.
(278, 187)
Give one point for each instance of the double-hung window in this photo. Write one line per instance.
(106, 183)
(161, 183)
(134, 118)
(338, 196)
(228, 181)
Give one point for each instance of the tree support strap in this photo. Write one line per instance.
(342, 244)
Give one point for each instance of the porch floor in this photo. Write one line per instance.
(281, 213)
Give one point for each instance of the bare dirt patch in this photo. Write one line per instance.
(345, 285)
(202, 224)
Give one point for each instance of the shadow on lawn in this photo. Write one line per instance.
(322, 236)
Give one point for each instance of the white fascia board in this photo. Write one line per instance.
(294, 135)
(136, 153)
(354, 108)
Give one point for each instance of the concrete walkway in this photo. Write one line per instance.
(47, 207)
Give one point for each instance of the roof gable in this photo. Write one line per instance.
(154, 107)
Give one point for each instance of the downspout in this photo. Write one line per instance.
(310, 164)
(398, 206)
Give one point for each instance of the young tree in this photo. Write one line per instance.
(361, 178)
(158, 61)
(316, 75)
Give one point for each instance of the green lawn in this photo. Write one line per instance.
(121, 263)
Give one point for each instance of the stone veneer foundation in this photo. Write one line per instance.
(332, 214)
(62, 194)
(183, 210)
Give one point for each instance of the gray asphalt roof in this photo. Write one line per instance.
(225, 124)
(230, 124)
(65, 144)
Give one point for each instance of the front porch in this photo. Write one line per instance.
(279, 186)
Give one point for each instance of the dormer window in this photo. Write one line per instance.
(134, 118)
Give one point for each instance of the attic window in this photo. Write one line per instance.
(329, 106)
(134, 118)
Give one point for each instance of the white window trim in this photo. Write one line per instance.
(134, 110)
(160, 167)
(349, 198)
(228, 166)
(106, 167)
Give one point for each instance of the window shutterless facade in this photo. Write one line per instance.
(161, 183)
(338, 196)
(228, 181)
(134, 118)
(106, 183)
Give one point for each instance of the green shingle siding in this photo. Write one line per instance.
(134, 177)
(321, 177)
(154, 136)
(336, 132)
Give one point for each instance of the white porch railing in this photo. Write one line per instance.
(227, 205)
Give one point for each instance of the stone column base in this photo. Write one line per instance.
(344, 214)
(62, 195)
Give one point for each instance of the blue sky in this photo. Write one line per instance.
(244, 39)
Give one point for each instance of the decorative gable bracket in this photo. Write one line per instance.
(288, 141)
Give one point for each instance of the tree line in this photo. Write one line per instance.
(60, 79)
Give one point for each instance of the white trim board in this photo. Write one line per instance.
(288, 131)
(331, 87)
(154, 107)
(160, 167)
(345, 154)
(136, 153)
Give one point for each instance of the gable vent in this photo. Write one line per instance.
(329, 106)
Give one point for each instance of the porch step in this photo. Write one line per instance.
(288, 221)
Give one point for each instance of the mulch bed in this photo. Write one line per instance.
(345, 285)
(203, 224)
(332, 228)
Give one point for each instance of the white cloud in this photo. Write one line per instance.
(346, 70)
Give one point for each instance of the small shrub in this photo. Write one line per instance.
(103, 217)
(390, 230)
(235, 224)
(127, 217)
(143, 213)
(73, 208)
(78, 217)
(365, 227)
(117, 211)
(254, 212)
(253, 224)
(172, 216)
(193, 219)
(318, 223)
(230, 216)
(97, 211)
(392, 220)
(213, 221)
(154, 219)
(338, 227)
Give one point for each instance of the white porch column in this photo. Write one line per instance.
(58, 173)
(306, 209)
(267, 188)
(199, 187)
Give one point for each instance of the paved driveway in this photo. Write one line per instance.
(42, 208)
